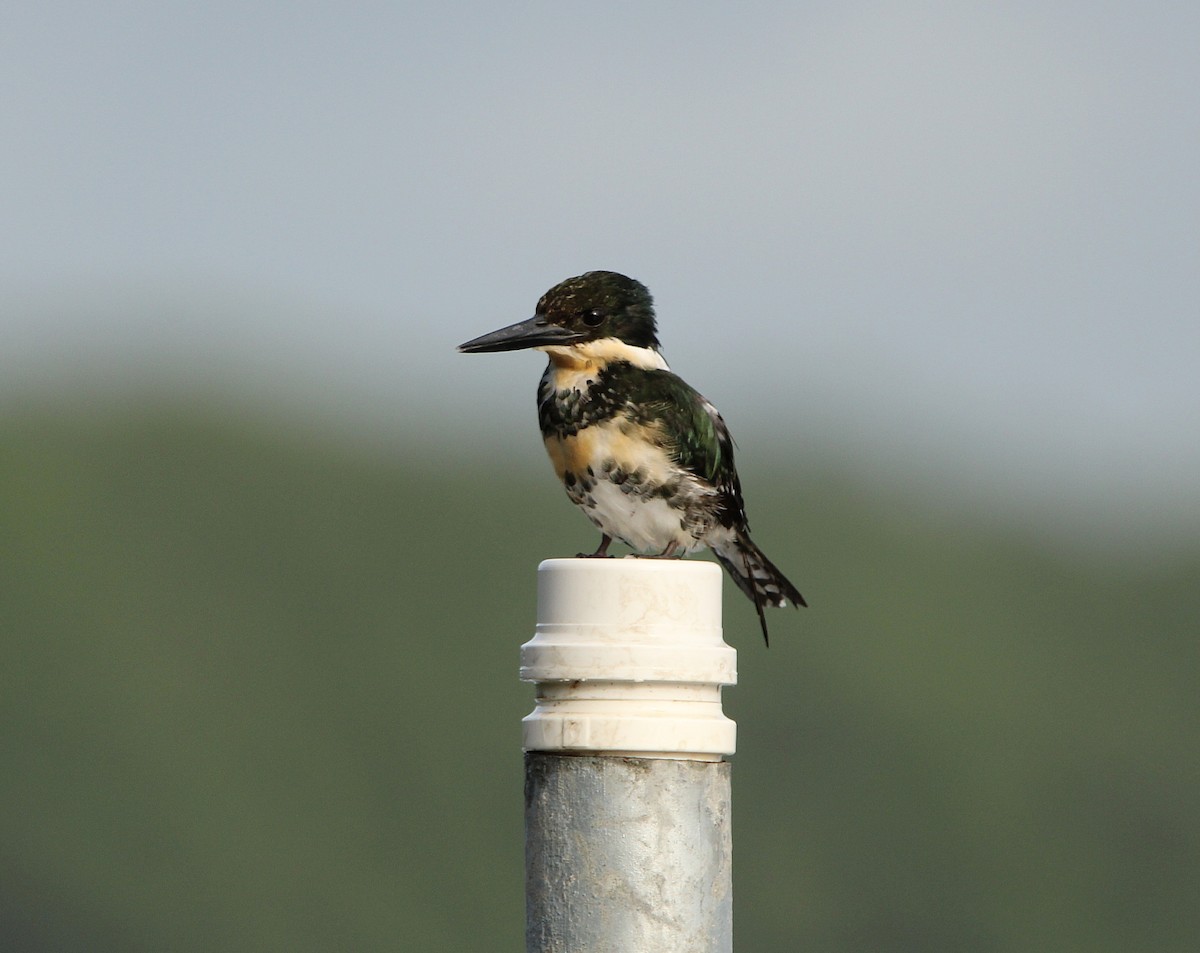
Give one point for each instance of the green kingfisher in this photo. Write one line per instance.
(646, 457)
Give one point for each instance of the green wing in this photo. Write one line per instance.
(692, 432)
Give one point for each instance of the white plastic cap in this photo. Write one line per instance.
(628, 659)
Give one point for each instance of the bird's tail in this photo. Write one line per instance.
(757, 577)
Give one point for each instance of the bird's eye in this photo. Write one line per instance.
(593, 318)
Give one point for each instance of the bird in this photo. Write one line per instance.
(644, 455)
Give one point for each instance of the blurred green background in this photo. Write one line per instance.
(259, 687)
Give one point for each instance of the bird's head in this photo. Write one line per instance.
(596, 306)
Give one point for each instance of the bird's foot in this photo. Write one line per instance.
(601, 551)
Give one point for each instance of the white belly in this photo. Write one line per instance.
(648, 525)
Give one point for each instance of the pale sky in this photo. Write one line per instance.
(963, 232)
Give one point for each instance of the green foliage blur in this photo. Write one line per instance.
(259, 693)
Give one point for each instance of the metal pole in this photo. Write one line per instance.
(627, 798)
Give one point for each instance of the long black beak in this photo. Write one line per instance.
(535, 332)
